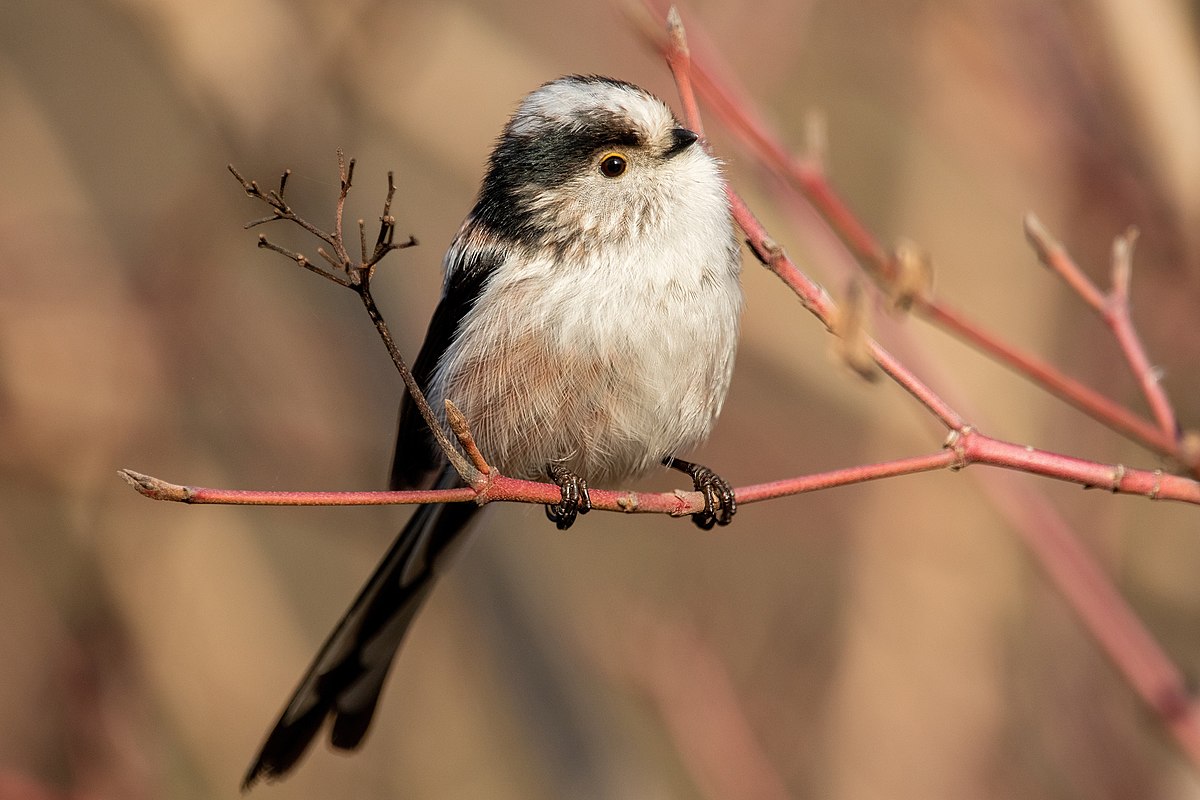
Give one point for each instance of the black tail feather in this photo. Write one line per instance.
(347, 675)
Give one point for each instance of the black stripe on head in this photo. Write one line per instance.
(547, 156)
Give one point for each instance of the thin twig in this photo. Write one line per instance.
(962, 449)
(1114, 309)
(463, 467)
(159, 489)
(1056, 258)
(344, 271)
(679, 61)
(817, 301)
(1104, 410)
(1104, 613)
(807, 176)
(1118, 313)
(462, 429)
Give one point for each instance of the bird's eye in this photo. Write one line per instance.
(613, 165)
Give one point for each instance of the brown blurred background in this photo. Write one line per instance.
(885, 641)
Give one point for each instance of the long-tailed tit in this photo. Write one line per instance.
(587, 330)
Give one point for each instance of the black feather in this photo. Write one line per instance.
(345, 678)
(416, 455)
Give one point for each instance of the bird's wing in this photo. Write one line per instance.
(467, 269)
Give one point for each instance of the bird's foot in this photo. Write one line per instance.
(719, 503)
(575, 498)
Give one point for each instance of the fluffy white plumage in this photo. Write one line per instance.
(588, 325)
(611, 348)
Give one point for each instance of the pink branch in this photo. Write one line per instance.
(1113, 308)
(1066, 388)
(964, 447)
(808, 176)
(158, 489)
(821, 305)
(943, 459)
(1114, 626)
(975, 448)
(1067, 563)
(1058, 260)
(501, 488)
(678, 57)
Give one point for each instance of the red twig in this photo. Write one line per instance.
(983, 449)
(678, 58)
(1114, 626)
(158, 489)
(975, 448)
(817, 301)
(503, 488)
(808, 176)
(1077, 576)
(963, 448)
(1081, 396)
(1113, 308)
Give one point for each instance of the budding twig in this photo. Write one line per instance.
(1056, 258)
(356, 275)
(462, 429)
(818, 302)
(806, 176)
(851, 327)
(1113, 308)
(1103, 612)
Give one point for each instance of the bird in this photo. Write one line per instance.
(587, 330)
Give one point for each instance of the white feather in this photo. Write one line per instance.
(613, 349)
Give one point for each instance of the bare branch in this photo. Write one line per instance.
(818, 302)
(357, 276)
(1104, 613)
(1114, 309)
(807, 177)
(1118, 314)
(1052, 254)
(458, 424)
(962, 449)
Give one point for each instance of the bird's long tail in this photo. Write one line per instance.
(345, 678)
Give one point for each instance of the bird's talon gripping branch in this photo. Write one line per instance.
(575, 497)
(719, 503)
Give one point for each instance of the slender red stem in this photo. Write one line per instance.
(1147, 376)
(1072, 570)
(820, 304)
(1066, 388)
(976, 448)
(809, 178)
(964, 447)
(1117, 314)
(943, 459)
(1113, 309)
(1104, 613)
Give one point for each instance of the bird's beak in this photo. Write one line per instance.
(681, 139)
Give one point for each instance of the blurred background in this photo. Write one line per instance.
(892, 640)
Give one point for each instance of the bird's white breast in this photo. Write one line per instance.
(606, 358)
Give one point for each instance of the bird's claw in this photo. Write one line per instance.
(719, 503)
(575, 498)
